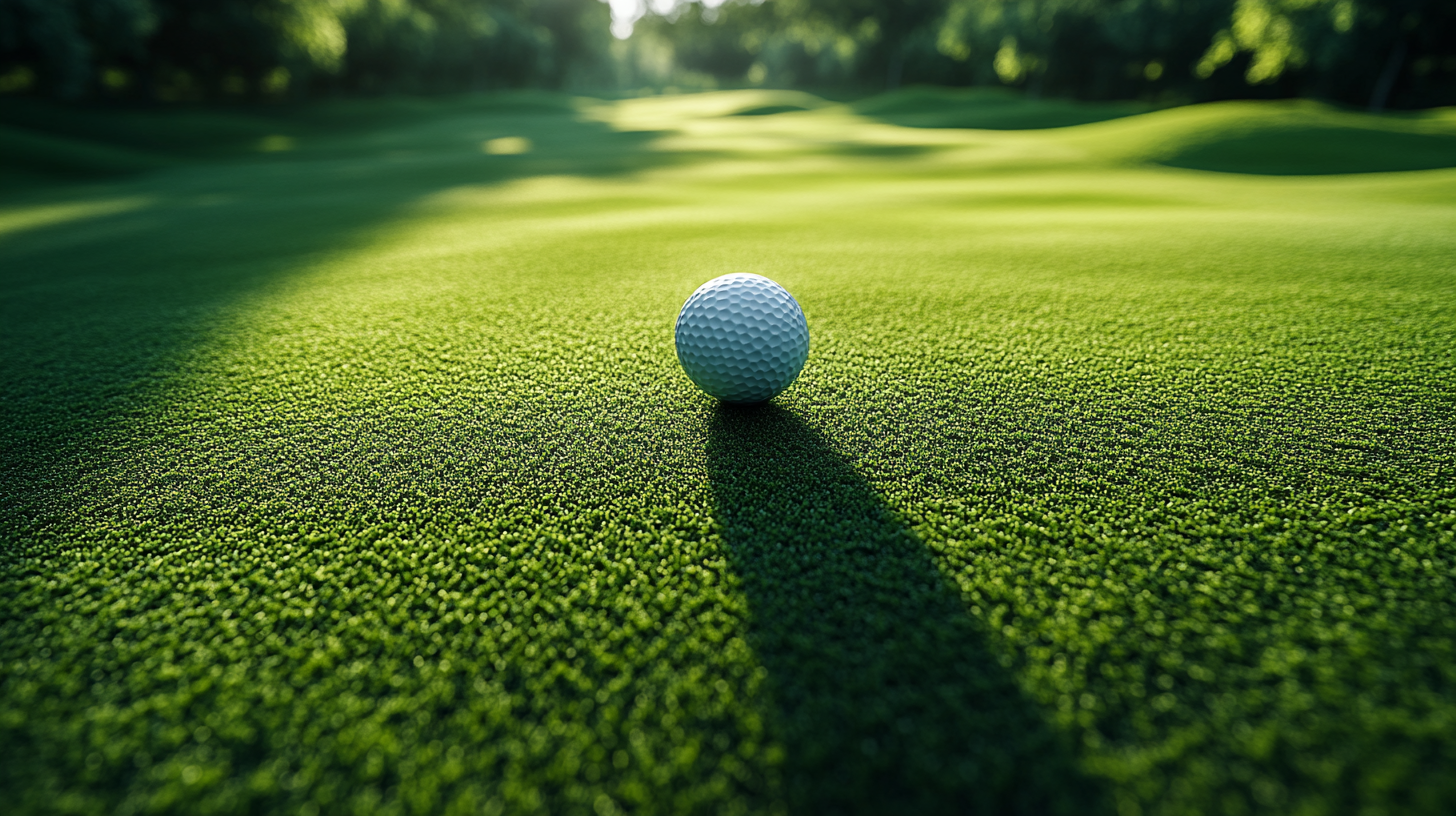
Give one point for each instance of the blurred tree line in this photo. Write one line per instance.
(250, 49)
(1362, 52)
(1366, 52)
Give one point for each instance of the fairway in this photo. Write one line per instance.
(348, 466)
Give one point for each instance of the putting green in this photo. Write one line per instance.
(348, 467)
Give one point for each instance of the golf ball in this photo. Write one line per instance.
(742, 338)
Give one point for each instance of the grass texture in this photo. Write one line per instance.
(348, 469)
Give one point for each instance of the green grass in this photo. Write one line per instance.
(987, 108)
(360, 477)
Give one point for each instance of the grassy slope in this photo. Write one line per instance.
(362, 478)
(986, 108)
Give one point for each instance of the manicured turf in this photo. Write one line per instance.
(357, 474)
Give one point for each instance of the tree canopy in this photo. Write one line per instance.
(1364, 52)
(1367, 52)
(200, 49)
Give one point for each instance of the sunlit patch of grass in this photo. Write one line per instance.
(20, 219)
(506, 146)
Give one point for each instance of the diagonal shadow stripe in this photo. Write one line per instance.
(97, 314)
(888, 699)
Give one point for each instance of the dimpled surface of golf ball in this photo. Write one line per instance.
(742, 338)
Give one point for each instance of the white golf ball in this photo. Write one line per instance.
(742, 338)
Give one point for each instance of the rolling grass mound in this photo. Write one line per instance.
(1285, 150)
(361, 478)
(1283, 138)
(986, 108)
(755, 103)
(769, 110)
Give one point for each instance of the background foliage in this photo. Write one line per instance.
(1375, 52)
(196, 49)
(1367, 52)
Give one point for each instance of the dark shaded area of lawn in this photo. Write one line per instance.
(987, 109)
(1317, 150)
(888, 699)
(96, 308)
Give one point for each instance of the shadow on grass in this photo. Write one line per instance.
(888, 700)
(97, 312)
(986, 109)
(1316, 151)
(770, 110)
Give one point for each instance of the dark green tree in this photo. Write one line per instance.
(1376, 52)
(209, 49)
(55, 46)
(1371, 51)
(893, 30)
